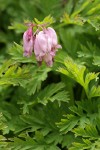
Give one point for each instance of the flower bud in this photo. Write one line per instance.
(28, 42)
(46, 45)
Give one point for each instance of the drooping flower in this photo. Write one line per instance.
(28, 42)
(46, 45)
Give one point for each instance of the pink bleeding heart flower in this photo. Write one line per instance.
(46, 45)
(28, 42)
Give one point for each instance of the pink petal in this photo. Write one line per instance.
(28, 42)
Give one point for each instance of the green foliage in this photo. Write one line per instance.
(53, 92)
(55, 108)
(11, 73)
(83, 12)
(77, 72)
(16, 52)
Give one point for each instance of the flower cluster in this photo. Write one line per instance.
(44, 44)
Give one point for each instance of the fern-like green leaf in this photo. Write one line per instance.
(77, 73)
(14, 75)
(16, 51)
(53, 92)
